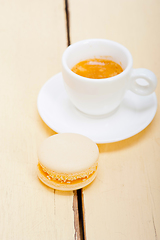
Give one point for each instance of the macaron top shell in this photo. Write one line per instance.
(68, 153)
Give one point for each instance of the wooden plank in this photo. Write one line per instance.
(123, 202)
(32, 40)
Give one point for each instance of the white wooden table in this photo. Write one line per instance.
(124, 201)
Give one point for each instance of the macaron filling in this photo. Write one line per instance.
(67, 178)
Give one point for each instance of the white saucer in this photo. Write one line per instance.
(134, 114)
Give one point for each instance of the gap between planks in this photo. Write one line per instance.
(78, 201)
(79, 223)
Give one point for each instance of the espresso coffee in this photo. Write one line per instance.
(97, 68)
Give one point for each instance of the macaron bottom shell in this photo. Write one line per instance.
(65, 186)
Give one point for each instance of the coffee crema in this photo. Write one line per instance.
(97, 68)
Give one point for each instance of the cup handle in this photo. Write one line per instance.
(146, 74)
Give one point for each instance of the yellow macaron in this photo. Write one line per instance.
(67, 161)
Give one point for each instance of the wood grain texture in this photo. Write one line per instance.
(32, 40)
(123, 201)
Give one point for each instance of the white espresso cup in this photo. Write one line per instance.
(98, 97)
